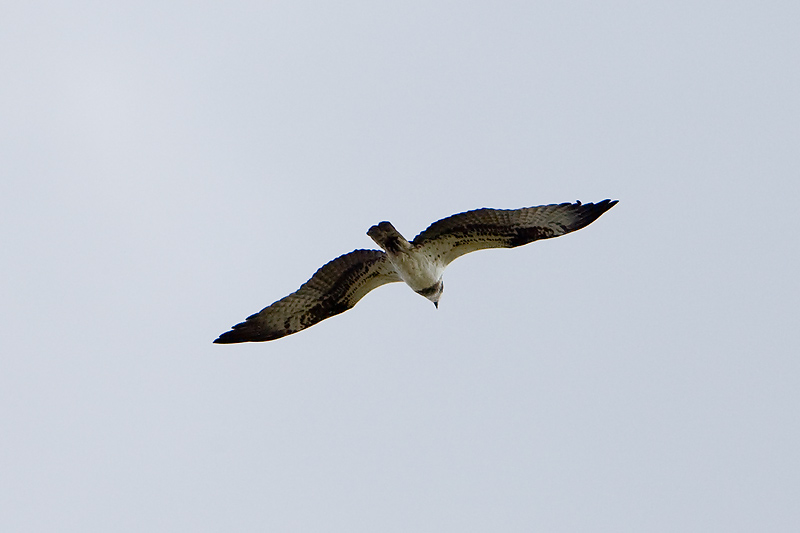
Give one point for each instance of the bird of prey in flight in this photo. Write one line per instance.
(341, 283)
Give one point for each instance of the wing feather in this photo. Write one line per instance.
(460, 234)
(333, 289)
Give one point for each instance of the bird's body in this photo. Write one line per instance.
(341, 283)
(418, 270)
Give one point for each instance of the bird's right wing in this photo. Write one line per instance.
(454, 236)
(333, 289)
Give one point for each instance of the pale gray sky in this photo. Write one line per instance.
(169, 168)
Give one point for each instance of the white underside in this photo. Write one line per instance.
(416, 269)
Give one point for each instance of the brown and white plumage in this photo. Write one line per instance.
(463, 233)
(341, 283)
(333, 289)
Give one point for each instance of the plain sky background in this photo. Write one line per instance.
(168, 168)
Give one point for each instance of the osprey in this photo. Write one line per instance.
(341, 283)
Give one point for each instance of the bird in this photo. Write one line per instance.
(341, 283)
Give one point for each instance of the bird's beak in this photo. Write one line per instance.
(436, 304)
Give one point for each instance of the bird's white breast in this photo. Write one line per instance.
(417, 269)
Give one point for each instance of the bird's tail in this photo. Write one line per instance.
(388, 238)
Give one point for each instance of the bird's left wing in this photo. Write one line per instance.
(333, 289)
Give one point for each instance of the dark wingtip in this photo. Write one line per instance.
(607, 204)
(588, 213)
(600, 207)
(248, 331)
(611, 203)
(603, 204)
(229, 337)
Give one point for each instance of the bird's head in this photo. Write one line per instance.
(433, 293)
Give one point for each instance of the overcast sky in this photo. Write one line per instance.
(168, 168)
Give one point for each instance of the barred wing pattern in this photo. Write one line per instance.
(333, 289)
(460, 234)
